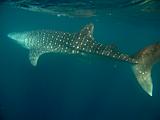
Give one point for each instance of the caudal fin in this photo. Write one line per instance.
(146, 57)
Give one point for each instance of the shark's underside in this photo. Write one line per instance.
(82, 43)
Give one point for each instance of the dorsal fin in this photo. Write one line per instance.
(146, 59)
(87, 31)
(84, 37)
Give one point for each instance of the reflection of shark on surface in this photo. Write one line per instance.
(83, 43)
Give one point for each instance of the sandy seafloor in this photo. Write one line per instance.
(69, 88)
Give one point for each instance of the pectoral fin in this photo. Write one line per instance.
(87, 30)
(34, 55)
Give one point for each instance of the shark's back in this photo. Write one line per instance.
(48, 38)
(44, 39)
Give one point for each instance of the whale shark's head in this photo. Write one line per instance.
(19, 37)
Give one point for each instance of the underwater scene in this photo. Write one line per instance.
(80, 60)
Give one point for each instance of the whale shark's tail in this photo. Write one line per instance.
(146, 57)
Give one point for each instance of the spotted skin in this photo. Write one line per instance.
(81, 43)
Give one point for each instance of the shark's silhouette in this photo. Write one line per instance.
(82, 43)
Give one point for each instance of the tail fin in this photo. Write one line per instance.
(146, 57)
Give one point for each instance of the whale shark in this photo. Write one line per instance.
(82, 43)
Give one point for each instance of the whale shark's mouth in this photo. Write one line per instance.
(10, 35)
(17, 36)
(14, 36)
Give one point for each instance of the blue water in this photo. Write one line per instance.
(70, 88)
